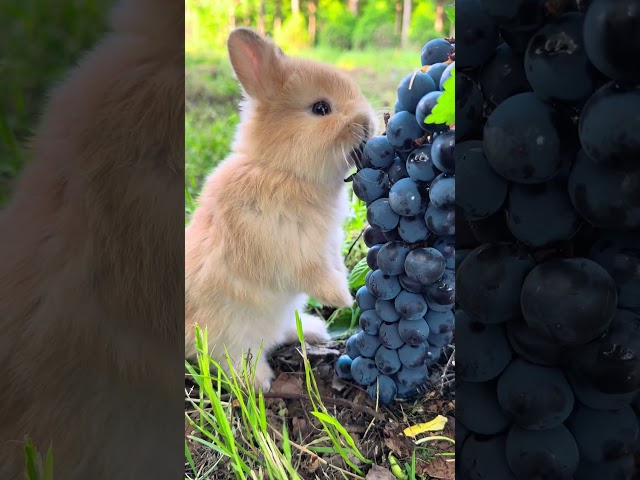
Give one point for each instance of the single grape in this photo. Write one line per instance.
(403, 130)
(398, 107)
(383, 286)
(447, 247)
(365, 300)
(373, 236)
(413, 87)
(410, 306)
(420, 167)
(482, 191)
(483, 457)
(622, 468)
(619, 146)
(372, 257)
(556, 63)
(526, 140)
(619, 255)
(392, 235)
(409, 284)
(423, 110)
(469, 106)
(364, 371)
(370, 184)
(367, 344)
(413, 229)
(425, 265)
(571, 300)
(541, 214)
(389, 336)
(443, 152)
(603, 435)
(343, 367)
(611, 38)
(387, 361)
(442, 192)
(476, 33)
(482, 351)
(370, 322)
(591, 397)
(533, 347)
(436, 51)
(383, 390)
(489, 282)
(406, 199)
(446, 75)
(503, 76)
(413, 356)
(440, 322)
(386, 310)
(441, 222)
(605, 197)
(379, 152)
(441, 295)
(483, 415)
(542, 454)
(351, 348)
(381, 215)
(435, 72)
(535, 397)
(412, 378)
(397, 170)
(391, 258)
(413, 332)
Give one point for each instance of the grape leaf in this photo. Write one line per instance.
(445, 110)
(451, 13)
(358, 274)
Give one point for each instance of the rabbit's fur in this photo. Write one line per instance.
(267, 229)
(91, 259)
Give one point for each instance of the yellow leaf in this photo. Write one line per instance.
(435, 425)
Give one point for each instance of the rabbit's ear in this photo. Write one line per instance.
(256, 61)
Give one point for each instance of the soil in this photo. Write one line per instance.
(375, 432)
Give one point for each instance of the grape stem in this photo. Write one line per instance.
(354, 244)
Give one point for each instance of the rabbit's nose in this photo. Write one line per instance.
(364, 123)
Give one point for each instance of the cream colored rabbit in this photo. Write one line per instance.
(267, 230)
(91, 262)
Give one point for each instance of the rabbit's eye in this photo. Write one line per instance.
(321, 108)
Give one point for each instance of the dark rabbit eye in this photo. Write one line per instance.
(321, 108)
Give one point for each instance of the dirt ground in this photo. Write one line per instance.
(376, 433)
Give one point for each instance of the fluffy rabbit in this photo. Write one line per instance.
(267, 229)
(91, 259)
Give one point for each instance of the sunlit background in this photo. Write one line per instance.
(376, 41)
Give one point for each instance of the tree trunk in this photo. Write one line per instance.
(353, 6)
(398, 21)
(277, 18)
(311, 6)
(295, 7)
(406, 20)
(261, 26)
(439, 20)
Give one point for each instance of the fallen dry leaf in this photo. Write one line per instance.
(379, 473)
(438, 467)
(286, 383)
(435, 425)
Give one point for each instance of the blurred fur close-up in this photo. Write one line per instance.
(91, 246)
(281, 97)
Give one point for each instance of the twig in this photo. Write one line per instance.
(353, 244)
(333, 401)
(445, 381)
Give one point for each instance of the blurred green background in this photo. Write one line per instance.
(41, 40)
(376, 41)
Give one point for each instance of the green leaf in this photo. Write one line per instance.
(312, 302)
(358, 274)
(340, 321)
(445, 109)
(451, 13)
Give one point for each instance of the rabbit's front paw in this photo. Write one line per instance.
(263, 376)
(314, 329)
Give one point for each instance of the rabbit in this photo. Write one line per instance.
(266, 232)
(91, 263)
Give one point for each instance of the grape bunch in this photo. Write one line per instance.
(548, 242)
(406, 178)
